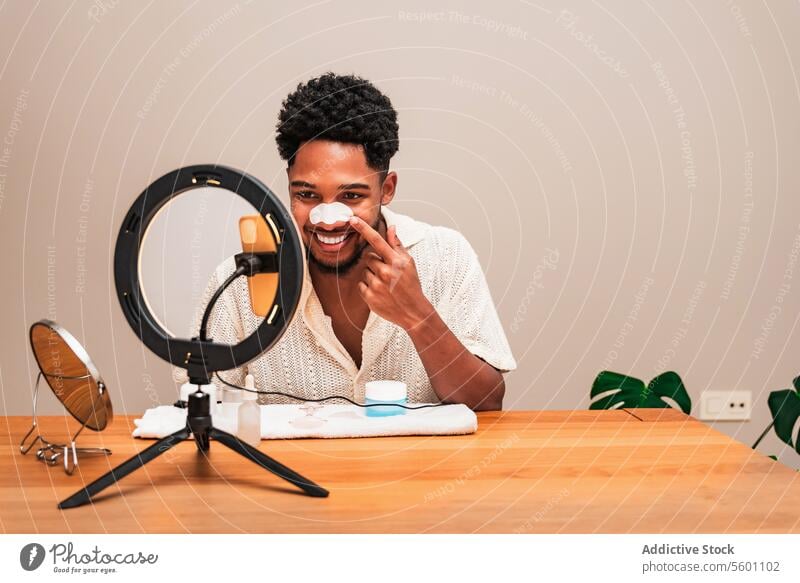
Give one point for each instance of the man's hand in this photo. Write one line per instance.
(391, 284)
(392, 289)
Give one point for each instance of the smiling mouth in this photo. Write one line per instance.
(332, 242)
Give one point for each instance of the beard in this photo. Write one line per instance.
(344, 267)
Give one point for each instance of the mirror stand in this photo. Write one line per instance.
(50, 452)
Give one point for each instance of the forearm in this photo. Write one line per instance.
(457, 375)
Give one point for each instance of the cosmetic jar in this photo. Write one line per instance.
(378, 392)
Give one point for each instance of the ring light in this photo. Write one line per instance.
(202, 358)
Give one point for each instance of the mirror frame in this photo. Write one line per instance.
(201, 359)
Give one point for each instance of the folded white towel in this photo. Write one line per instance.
(341, 421)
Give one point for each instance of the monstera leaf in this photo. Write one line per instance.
(785, 408)
(612, 389)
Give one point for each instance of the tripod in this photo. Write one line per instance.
(198, 424)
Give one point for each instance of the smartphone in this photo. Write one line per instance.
(257, 237)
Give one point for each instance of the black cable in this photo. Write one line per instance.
(249, 263)
(241, 270)
(325, 398)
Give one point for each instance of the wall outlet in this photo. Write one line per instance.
(726, 405)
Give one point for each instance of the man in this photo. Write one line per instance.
(396, 299)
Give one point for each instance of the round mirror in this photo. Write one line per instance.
(184, 243)
(70, 373)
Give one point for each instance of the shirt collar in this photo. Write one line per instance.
(409, 231)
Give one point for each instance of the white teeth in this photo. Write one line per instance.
(331, 240)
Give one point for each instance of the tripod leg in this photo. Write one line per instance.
(84, 496)
(268, 463)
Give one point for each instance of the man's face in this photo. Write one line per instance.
(326, 172)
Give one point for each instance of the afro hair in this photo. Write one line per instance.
(341, 108)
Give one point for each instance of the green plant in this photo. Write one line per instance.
(612, 389)
(784, 405)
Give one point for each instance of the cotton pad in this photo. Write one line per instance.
(330, 213)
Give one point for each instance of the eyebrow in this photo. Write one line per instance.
(351, 186)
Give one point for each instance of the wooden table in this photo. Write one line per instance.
(640, 470)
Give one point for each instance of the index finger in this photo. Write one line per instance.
(373, 238)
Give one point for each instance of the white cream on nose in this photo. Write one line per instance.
(330, 213)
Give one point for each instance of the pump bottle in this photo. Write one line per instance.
(249, 426)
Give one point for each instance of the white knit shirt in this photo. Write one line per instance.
(311, 362)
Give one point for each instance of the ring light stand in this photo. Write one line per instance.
(199, 356)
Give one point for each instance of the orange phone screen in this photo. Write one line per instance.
(257, 237)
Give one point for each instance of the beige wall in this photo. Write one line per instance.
(627, 172)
